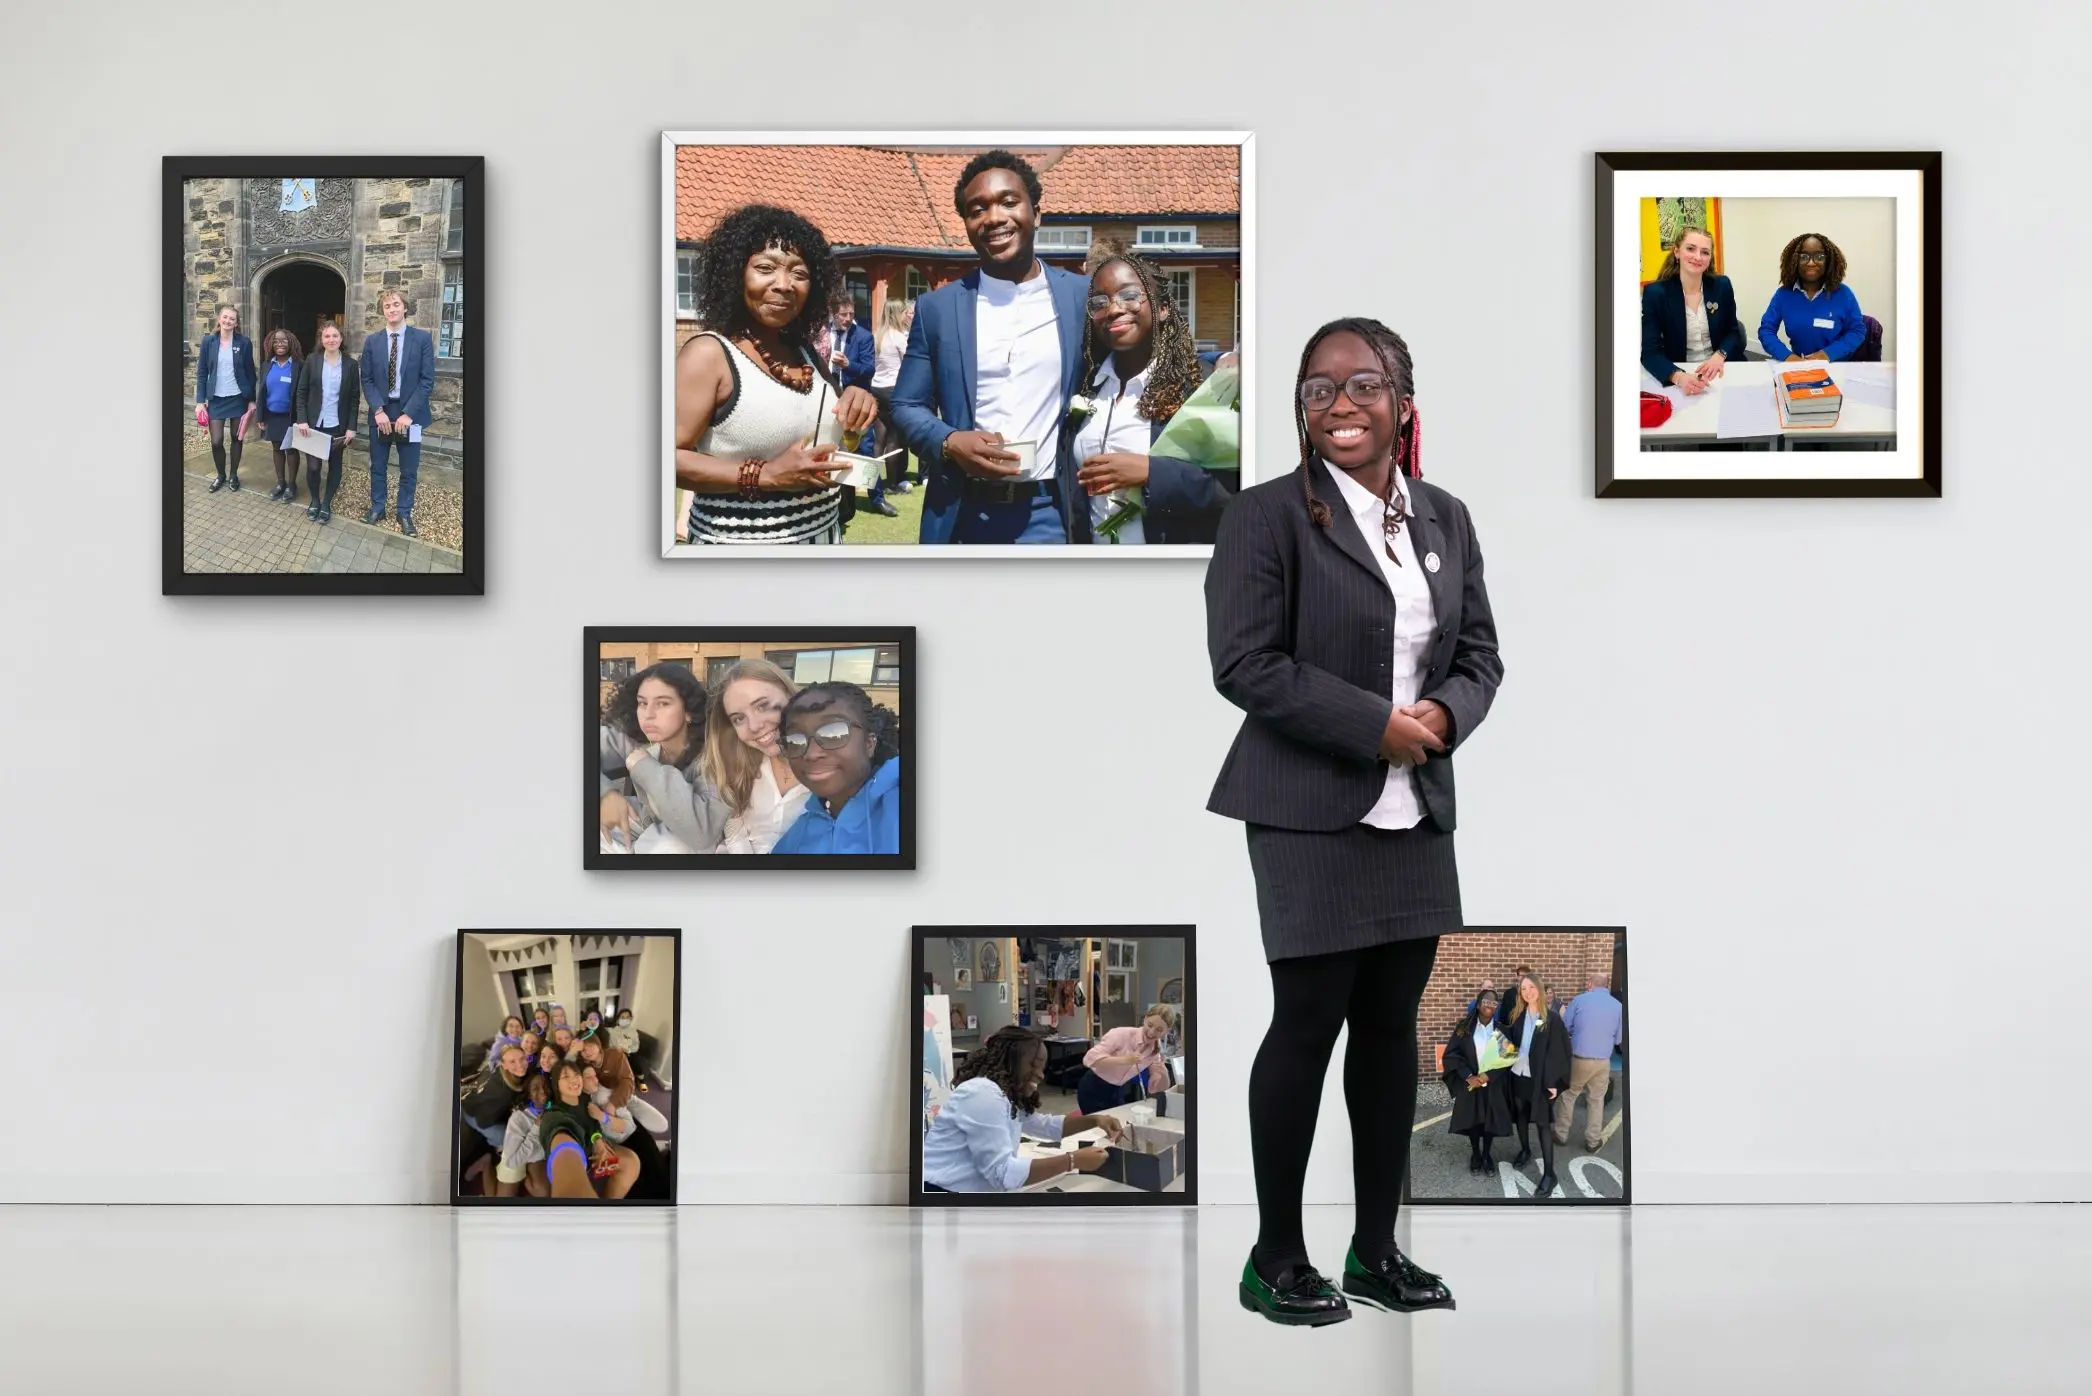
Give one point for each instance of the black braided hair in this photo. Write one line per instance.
(876, 718)
(624, 710)
(722, 305)
(1833, 265)
(1173, 371)
(1393, 353)
(1001, 1059)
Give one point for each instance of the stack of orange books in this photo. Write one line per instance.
(1808, 397)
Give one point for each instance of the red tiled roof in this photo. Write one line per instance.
(866, 196)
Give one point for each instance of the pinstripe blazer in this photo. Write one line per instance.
(1299, 626)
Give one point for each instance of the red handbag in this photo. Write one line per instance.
(1656, 410)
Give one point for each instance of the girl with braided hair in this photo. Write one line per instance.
(846, 750)
(1817, 310)
(1346, 616)
(1139, 364)
(972, 1144)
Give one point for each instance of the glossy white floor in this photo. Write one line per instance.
(162, 1300)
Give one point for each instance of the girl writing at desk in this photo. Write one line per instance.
(972, 1144)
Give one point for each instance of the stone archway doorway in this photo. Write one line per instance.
(300, 296)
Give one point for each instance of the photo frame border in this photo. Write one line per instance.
(457, 1016)
(594, 860)
(177, 170)
(1246, 338)
(1606, 485)
(912, 1058)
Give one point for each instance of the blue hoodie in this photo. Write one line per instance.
(869, 823)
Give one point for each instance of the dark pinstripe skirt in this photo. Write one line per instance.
(1319, 894)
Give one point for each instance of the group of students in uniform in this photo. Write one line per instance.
(561, 1112)
(756, 764)
(1691, 329)
(1084, 371)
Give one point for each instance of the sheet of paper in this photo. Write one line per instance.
(1869, 385)
(414, 432)
(1680, 399)
(1747, 412)
(313, 443)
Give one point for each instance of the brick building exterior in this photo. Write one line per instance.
(874, 668)
(1466, 959)
(296, 257)
(888, 214)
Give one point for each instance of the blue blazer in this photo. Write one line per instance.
(934, 395)
(1181, 503)
(1663, 323)
(863, 358)
(417, 371)
(207, 384)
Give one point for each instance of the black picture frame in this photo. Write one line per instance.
(1609, 389)
(901, 636)
(920, 937)
(457, 1037)
(176, 170)
(1561, 1198)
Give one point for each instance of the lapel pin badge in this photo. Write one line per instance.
(1430, 562)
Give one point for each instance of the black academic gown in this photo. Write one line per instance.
(1486, 1107)
(1548, 1062)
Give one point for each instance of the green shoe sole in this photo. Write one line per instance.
(1322, 1320)
(1362, 1292)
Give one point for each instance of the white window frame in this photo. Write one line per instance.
(911, 277)
(605, 999)
(687, 311)
(1190, 307)
(525, 1006)
(1040, 244)
(450, 312)
(1140, 236)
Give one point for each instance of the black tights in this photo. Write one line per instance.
(222, 430)
(1376, 991)
(312, 475)
(1522, 1117)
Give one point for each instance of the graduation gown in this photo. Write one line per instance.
(1547, 1060)
(1486, 1107)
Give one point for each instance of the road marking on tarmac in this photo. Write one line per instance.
(1435, 1119)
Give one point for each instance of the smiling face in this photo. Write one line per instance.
(592, 1050)
(512, 1026)
(548, 1058)
(833, 775)
(1485, 1011)
(531, 1042)
(774, 286)
(1528, 993)
(1153, 1028)
(660, 711)
(1000, 219)
(1345, 434)
(589, 1082)
(1031, 1073)
(330, 337)
(394, 307)
(1695, 252)
(752, 708)
(1812, 259)
(279, 345)
(1124, 326)
(514, 1063)
(571, 1085)
(228, 320)
(562, 1037)
(559, 1017)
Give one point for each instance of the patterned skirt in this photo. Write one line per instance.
(1321, 893)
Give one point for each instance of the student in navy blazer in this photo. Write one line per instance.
(1685, 299)
(396, 385)
(225, 391)
(956, 430)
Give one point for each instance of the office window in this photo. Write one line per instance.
(1182, 286)
(856, 666)
(716, 669)
(454, 225)
(1167, 235)
(600, 981)
(857, 284)
(914, 284)
(686, 283)
(614, 670)
(681, 661)
(886, 668)
(533, 990)
(1063, 237)
(450, 334)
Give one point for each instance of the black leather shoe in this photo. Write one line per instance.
(217, 484)
(326, 514)
(1547, 1185)
(234, 484)
(885, 507)
(277, 493)
(290, 492)
(407, 527)
(1395, 1284)
(1301, 1298)
(1525, 1156)
(375, 516)
(1474, 1164)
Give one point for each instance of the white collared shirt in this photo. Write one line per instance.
(1483, 1032)
(1017, 362)
(1398, 806)
(770, 812)
(1114, 425)
(972, 1144)
(330, 393)
(398, 361)
(226, 381)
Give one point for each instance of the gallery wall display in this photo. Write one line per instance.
(1767, 324)
(320, 394)
(970, 344)
(1503, 1117)
(563, 1079)
(748, 748)
(1098, 1062)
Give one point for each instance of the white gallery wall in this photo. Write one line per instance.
(1825, 760)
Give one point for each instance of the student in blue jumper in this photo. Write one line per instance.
(845, 749)
(279, 382)
(1814, 306)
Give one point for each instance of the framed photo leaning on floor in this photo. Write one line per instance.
(321, 362)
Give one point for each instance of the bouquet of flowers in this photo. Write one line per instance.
(1206, 432)
(1499, 1053)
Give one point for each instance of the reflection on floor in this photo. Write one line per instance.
(872, 1301)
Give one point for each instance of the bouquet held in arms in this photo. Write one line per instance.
(1498, 1054)
(1206, 432)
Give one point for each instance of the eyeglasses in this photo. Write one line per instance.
(1128, 296)
(830, 736)
(1812, 256)
(1364, 389)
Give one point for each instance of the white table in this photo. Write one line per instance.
(1693, 419)
(1089, 1182)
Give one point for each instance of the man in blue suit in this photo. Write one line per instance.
(399, 371)
(853, 360)
(992, 361)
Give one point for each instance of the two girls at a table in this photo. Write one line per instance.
(1690, 328)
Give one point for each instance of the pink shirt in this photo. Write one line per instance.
(1121, 1042)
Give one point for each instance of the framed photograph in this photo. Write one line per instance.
(748, 748)
(1767, 324)
(991, 961)
(1103, 1082)
(563, 1082)
(829, 300)
(320, 415)
(1485, 1134)
(962, 980)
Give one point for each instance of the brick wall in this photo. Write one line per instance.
(1466, 959)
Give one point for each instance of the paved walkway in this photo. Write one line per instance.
(250, 532)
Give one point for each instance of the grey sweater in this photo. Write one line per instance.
(687, 804)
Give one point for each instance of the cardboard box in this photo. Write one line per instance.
(1173, 1104)
(1149, 1160)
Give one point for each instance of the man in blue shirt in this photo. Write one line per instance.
(1593, 1018)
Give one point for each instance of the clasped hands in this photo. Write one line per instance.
(1413, 732)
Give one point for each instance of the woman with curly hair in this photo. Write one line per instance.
(972, 1144)
(651, 793)
(846, 750)
(1139, 364)
(275, 394)
(743, 760)
(753, 397)
(1817, 310)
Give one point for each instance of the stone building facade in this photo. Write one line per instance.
(296, 253)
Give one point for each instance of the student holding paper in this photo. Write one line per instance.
(1817, 310)
(1689, 327)
(279, 380)
(225, 392)
(399, 372)
(328, 399)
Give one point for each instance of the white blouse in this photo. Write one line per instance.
(1699, 345)
(770, 812)
(1115, 425)
(886, 368)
